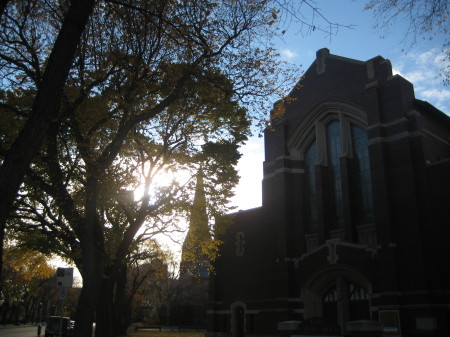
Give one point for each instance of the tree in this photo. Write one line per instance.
(427, 19)
(49, 83)
(24, 273)
(61, 183)
(119, 217)
(145, 261)
(151, 283)
(160, 300)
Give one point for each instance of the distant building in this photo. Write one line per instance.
(355, 217)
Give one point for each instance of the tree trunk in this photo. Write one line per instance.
(105, 313)
(84, 316)
(45, 108)
(92, 271)
(5, 309)
(121, 309)
(112, 312)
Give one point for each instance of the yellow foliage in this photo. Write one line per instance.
(27, 263)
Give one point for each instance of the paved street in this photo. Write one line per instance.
(19, 331)
(22, 331)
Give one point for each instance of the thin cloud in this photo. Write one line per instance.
(422, 70)
(420, 75)
(441, 97)
(288, 53)
(425, 57)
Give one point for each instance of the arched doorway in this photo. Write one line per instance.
(339, 294)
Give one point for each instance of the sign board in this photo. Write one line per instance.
(391, 322)
(64, 277)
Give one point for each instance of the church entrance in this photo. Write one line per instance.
(354, 301)
(337, 297)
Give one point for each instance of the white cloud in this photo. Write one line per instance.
(425, 58)
(288, 53)
(441, 57)
(396, 71)
(422, 70)
(440, 97)
(420, 75)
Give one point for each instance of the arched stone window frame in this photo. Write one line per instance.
(313, 128)
(314, 125)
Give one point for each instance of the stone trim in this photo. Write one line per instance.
(446, 142)
(313, 127)
(283, 170)
(395, 138)
(388, 124)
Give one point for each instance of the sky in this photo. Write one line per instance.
(419, 64)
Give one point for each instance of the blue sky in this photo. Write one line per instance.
(420, 64)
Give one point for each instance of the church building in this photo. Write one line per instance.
(354, 226)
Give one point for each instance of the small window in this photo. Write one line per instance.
(331, 295)
(240, 244)
(357, 293)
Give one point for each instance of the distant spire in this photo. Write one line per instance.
(198, 220)
(194, 259)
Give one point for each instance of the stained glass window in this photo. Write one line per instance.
(362, 175)
(334, 148)
(334, 138)
(311, 204)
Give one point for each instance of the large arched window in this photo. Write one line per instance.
(333, 137)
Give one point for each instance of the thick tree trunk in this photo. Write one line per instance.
(105, 312)
(84, 316)
(45, 108)
(112, 312)
(121, 309)
(92, 272)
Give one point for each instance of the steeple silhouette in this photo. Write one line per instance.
(194, 257)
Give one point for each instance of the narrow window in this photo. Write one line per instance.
(362, 176)
(240, 244)
(334, 149)
(310, 174)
